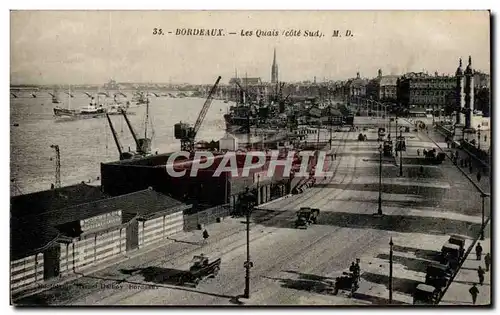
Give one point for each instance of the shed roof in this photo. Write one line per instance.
(54, 199)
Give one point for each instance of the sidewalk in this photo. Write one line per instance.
(458, 292)
(484, 183)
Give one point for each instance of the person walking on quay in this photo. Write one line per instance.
(205, 236)
(480, 274)
(478, 176)
(479, 251)
(335, 156)
(418, 152)
(487, 261)
(474, 292)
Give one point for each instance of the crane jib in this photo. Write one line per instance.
(205, 108)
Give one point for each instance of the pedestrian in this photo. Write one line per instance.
(485, 138)
(487, 261)
(480, 274)
(474, 292)
(205, 236)
(479, 251)
(352, 268)
(335, 156)
(478, 176)
(418, 152)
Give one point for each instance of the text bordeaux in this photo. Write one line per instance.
(200, 32)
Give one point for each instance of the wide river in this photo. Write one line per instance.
(84, 144)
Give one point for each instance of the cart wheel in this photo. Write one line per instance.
(216, 272)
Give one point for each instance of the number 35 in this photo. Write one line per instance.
(157, 31)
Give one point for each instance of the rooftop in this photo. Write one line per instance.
(54, 199)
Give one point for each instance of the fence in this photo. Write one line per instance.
(192, 221)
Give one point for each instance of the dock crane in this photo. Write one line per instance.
(58, 166)
(143, 145)
(186, 133)
(123, 155)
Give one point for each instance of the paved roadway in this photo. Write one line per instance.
(297, 267)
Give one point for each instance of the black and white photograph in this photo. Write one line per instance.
(250, 158)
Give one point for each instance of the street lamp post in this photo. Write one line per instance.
(390, 129)
(248, 264)
(390, 271)
(478, 137)
(396, 133)
(400, 153)
(484, 195)
(379, 211)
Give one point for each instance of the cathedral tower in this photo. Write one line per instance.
(274, 69)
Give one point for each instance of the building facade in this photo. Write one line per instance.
(421, 90)
(356, 87)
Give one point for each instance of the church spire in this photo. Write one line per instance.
(274, 69)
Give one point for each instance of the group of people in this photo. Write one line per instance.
(474, 291)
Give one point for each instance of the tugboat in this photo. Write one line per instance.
(93, 110)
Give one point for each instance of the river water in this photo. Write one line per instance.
(84, 144)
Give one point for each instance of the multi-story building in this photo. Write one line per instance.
(422, 90)
(481, 80)
(355, 87)
(388, 88)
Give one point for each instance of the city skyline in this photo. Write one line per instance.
(91, 47)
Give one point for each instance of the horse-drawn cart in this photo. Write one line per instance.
(348, 281)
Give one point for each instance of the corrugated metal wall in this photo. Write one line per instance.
(155, 230)
(91, 250)
(26, 271)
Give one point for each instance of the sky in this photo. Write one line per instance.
(92, 47)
